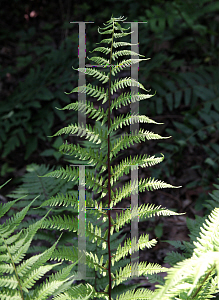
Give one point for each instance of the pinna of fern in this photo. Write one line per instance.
(102, 157)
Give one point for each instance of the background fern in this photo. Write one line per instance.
(190, 85)
(18, 275)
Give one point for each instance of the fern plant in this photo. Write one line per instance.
(206, 285)
(109, 271)
(18, 275)
(193, 276)
(195, 270)
(194, 228)
(196, 277)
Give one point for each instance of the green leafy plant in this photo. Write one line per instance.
(194, 226)
(194, 278)
(185, 78)
(181, 262)
(29, 113)
(104, 264)
(19, 275)
(195, 271)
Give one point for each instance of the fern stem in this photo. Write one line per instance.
(109, 175)
(201, 285)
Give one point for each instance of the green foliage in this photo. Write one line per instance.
(191, 251)
(194, 228)
(185, 78)
(200, 283)
(18, 275)
(110, 271)
(189, 93)
(173, 258)
(29, 113)
(32, 185)
(195, 277)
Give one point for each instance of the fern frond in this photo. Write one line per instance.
(120, 44)
(100, 61)
(116, 54)
(193, 275)
(143, 269)
(98, 74)
(101, 49)
(12, 223)
(61, 223)
(18, 276)
(142, 212)
(86, 292)
(71, 129)
(125, 140)
(124, 64)
(128, 98)
(92, 91)
(36, 274)
(72, 174)
(121, 120)
(132, 187)
(60, 199)
(4, 208)
(136, 295)
(214, 202)
(124, 82)
(84, 154)
(126, 164)
(105, 270)
(56, 284)
(143, 242)
(90, 109)
(209, 235)
(173, 257)
(119, 35)
(32, 186)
